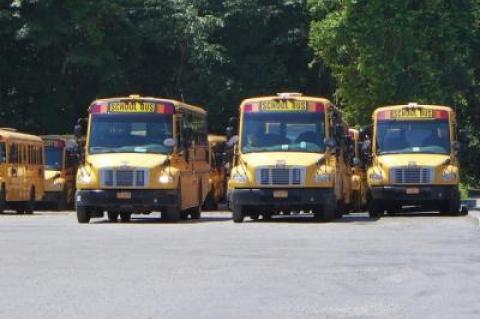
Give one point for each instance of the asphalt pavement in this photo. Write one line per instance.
(416, 266)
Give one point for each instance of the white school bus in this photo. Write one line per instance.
(143, 154)
(21, 171)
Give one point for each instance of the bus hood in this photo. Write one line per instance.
(126, 160)
(282, 158)
(392, 160)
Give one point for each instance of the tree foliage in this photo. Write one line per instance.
(392, 52)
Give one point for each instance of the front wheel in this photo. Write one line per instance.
(196, 212)
(375, 209)
(30, 205)
(237, 213)
(171, 214)
(327, 214)
(451, 207)
(125, 217)
(83, 215)
(3, 200)
(112, 216)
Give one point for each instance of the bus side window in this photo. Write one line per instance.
(3, 153)
(199, 126)
(13, 156)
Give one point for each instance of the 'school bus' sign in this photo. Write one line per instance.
(283, 106)
(131, 107)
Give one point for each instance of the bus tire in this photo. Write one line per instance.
(237, 214)
(63, 201)
(340, 210)
(171, 214)
(196, 212)
(30, 205)
(112, 216)
(375, 209)
(451, 207)
(83, 215)
(210, 203)
(3, 199)
(125, 217)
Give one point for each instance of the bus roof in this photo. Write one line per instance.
(396, 107)
(294, 96)
(177, 104)
(9, 134)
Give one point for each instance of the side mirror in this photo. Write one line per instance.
(355, 162)
(456, 146)
(330, 144)
(78, 131)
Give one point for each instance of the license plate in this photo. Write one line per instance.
(280, 194)
(413, 191)
(124, 195)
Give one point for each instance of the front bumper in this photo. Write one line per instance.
(298, 198)
(399, 194)
(140, 200)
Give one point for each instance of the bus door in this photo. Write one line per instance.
(184, 160)
(13, 174)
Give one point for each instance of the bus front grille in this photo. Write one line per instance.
(281, 176)
(412, 175)
(124, 177)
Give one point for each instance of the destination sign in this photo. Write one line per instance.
(283, 106)
(131, 107)
(412, 114)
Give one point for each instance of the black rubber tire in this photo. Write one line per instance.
(83, 215)
(125, 217)
(63, 202)
(451, 207)
(328, 213)
(375, 209)
(112, 216)
(340, 210)
(210, 203)
(196, 213)
(30, 205)
(237, 214)
(267, 216)
(3, 199)
(171, 214)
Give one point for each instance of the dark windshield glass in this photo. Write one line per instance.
(413, 137)
(283, 132)
(3, 157)
(54, 158)
(129, 133)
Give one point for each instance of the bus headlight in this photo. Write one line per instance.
(376, 176)
(86, 179)
(449, 176)
(239, 178)
(322, 177)
(165, 179)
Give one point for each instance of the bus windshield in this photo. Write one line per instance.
(283, 132)
(396, 137)
(129, 133)
(54, 158)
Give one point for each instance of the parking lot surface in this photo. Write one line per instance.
(420, 266)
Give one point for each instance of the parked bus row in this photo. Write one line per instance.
(285, 154)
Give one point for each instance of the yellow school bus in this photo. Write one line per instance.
(21, 171)
(143, 154)
(61, 162)
(414, 159)
(359, 174)
(292, 155)
(216, 149)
